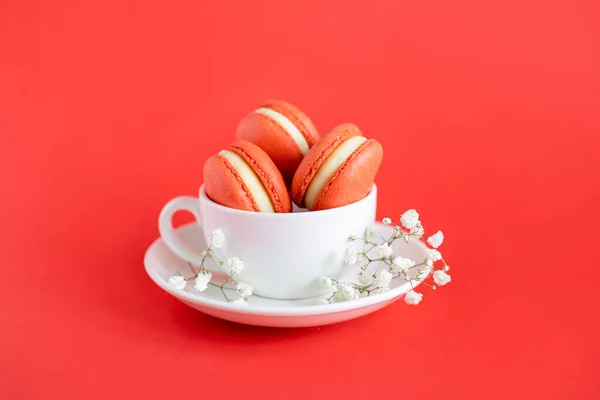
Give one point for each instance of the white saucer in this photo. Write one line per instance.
(161, 263)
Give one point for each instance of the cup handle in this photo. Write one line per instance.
(165, 227)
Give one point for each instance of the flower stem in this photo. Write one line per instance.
(193, 271)
(220, 286)
(224, 294)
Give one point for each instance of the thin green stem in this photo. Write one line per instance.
(221, 286)
(224, 294)
(372, 247)
(193, 271)
(366, 241)
(427, 284)
(211, 251)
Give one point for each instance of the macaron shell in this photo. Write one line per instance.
(317, 155)
(267, 173)
(224, 186)
(298, 118)
(274, 140)
(354, 179)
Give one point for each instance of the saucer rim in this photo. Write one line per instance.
(303, 310)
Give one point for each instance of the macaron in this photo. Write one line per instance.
(284, 132)
(245, 178)
(338, 170)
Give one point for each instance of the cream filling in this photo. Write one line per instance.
(287, 126)
(256, 188)
(329, 167)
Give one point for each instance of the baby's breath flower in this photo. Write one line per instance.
(384, 250)
(364, 278)
(371, 232)
(352, 238)
(417, 230)
(402, 264)
(446, 268)
(441, 278)
(178, 281)
(410, 219)
(344, 292)
(201, 281)
(361, 259)
(386, 221)
(351, 255)
(433, 255)
(383, 279)
(217, 238)
(236, 266)
(244, 289)
(436, 239)
(413, 298)
(325, 281)
(242, 302)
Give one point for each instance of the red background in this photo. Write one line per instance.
(488, 114)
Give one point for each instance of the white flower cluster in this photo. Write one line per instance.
(217, 239)
(178, 281)
(384, 250)
(441, 277)
(436, 240)
(402, 264)
(383, 280)
(351, 255)
(389, 266)
(202, 278)
(345, 291)
(236, 266)
(410, 220)
(413, 298)
(371, 232)
(244, 289)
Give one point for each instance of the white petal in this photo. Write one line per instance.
(217, 238)
(177, 281)
(236, 266)
(436, 239)
(410, 219)
(441, 278)
(413, 298)
(244, 289)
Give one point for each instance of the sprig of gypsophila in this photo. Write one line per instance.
(388, 266)
(202, 277)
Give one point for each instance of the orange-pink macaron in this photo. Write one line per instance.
(284, 132)
(245, 178)
(338, 170)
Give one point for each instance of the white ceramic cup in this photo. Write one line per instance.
(284, 254)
